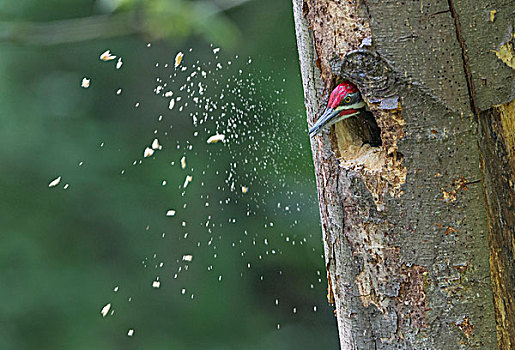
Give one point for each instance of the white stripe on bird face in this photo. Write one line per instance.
(358, 105)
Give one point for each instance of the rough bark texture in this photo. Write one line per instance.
(406, 226)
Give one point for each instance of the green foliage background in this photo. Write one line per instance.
(63, 251)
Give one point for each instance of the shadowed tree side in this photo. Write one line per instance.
(414, 229)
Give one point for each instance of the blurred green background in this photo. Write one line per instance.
(257, 277)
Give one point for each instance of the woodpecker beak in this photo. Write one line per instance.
(329, 117)
(329, 113)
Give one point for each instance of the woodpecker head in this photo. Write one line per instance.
(345, 101)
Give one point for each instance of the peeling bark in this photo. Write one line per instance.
(405, 226)
(497, 144)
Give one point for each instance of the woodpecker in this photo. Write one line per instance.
(344, 102)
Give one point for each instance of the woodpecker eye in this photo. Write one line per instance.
(347, 99)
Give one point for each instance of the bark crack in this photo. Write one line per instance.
(366, 8)
(465, 59)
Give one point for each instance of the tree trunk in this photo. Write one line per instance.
(418, 233)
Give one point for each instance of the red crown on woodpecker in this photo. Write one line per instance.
(345, 101)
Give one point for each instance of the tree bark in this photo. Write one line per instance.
(418, 233)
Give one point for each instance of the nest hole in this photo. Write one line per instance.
(358, 140)
(359, 131)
